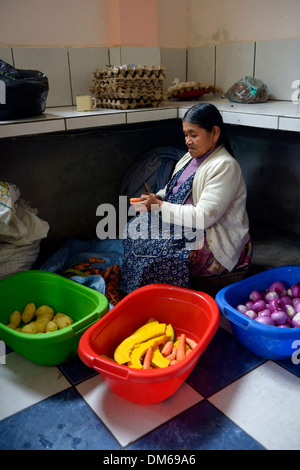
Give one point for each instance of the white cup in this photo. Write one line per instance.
(85, 103)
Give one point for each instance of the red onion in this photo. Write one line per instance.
(285, 325)
(296, 303)
(286, 299)
(290, 311)
(265, 320)
(295, 289)
(258, 305)
(251, 314)
(279, 317)
(249, 304)
(241, 308)
(276, 304)
(296, 320)
(278, 287)
(264, 313)
(255, 295)
(270, 296)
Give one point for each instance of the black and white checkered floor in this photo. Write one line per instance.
(232, 400)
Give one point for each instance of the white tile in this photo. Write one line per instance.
(174, 61)
(201, 64)
(233, 61)
(53, 62)
(115, 55)
(265, 403)
(252, 120)
(289, 124)
(83, 62)
(31, 128)
(151, 115)
(278, 65)
(24, 383)
(97, 120)
(140, 55)
(128, 421)
(6, 55)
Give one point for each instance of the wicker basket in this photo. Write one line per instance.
(211, 285)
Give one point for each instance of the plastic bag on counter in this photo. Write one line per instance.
(23, 93)
(248, 90)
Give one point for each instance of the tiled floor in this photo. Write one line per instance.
(231, 400)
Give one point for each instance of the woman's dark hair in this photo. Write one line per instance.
(206, 116)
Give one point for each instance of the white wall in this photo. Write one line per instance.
(227, 21)
(180, 23)
(53, 23)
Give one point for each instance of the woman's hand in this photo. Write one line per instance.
(146, 201)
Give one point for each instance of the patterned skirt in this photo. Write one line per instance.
(203, 263)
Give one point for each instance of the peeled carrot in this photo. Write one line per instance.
(133, 200)
(167, 349)
(96, 260)
(191, 343)
(147, 358)
(172, 356)
(173, 362)
(181, 348)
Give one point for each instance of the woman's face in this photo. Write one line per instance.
(198, 140)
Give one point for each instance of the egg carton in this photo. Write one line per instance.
(134, 94)
(130, 82)
(129, 86)
(130, 72)
(125, 104)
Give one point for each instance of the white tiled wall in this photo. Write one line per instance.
(233, 61)
(53, 62)
(70, 70)
(174, 62)
(277, 63)
(201, 64)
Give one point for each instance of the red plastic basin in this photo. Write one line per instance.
(194, 313)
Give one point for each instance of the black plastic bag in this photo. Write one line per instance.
(23, 93)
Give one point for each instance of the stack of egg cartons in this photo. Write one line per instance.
(129, 86)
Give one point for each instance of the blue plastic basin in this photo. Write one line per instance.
(265, 341)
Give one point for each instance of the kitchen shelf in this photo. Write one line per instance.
(277, 115)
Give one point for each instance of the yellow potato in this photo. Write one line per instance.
(44, 309)
(63, 321)
(59, 315)
(28, 313)
(30, 328)
(51, 326)
(12, 326)
(45, 318)
(40, 326)
(15, 318)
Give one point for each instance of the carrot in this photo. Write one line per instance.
(167, 349)
(172, 356)
(181, 348)
(81, 265)
(96, 260)
(191, 343)
(133, 200)
(173, 362)
(107, 272)
(147, 358)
